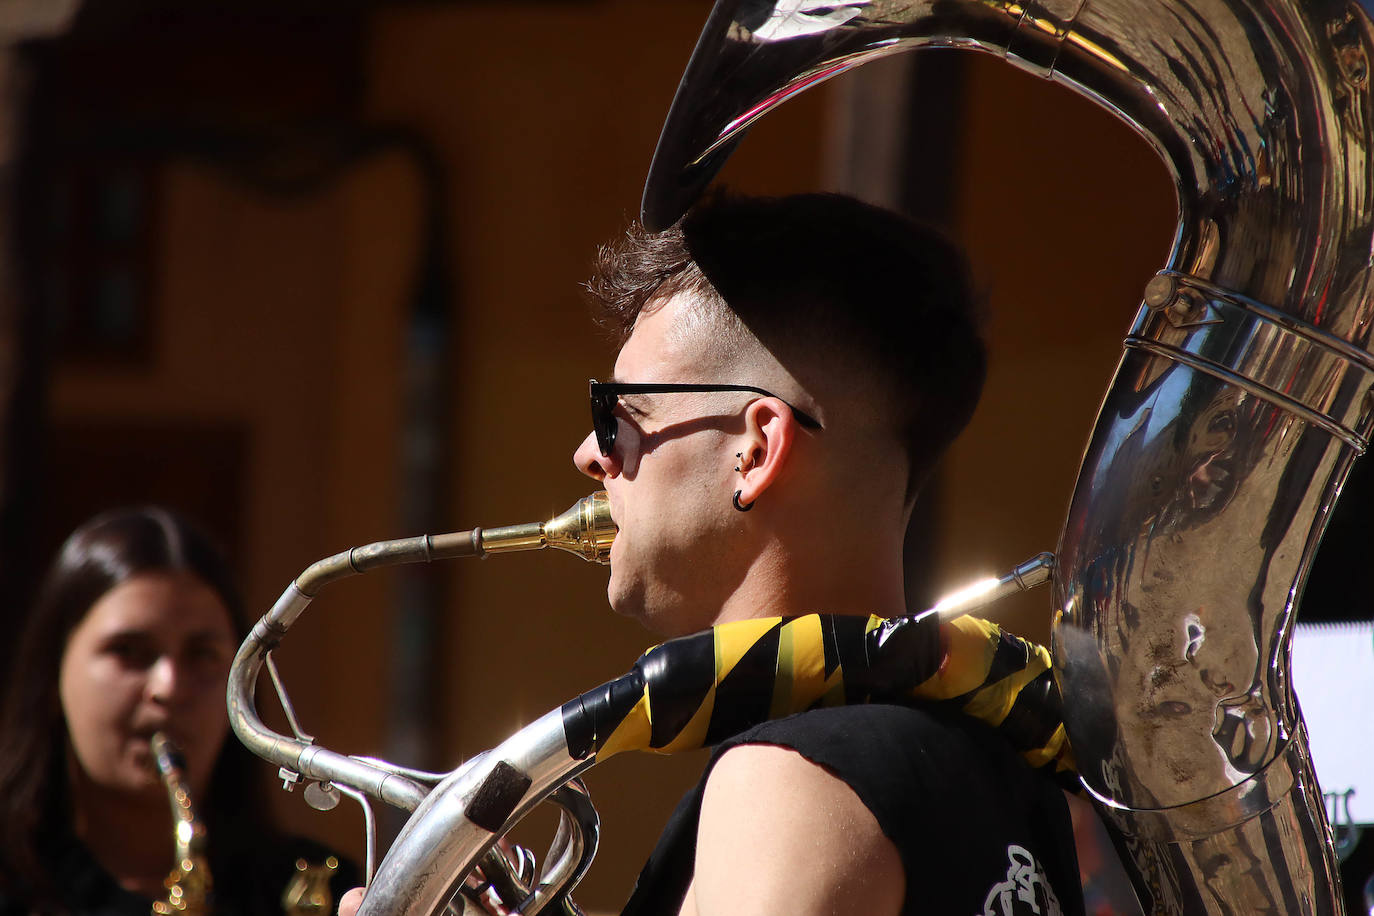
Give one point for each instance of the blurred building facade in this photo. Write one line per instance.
(309, 271)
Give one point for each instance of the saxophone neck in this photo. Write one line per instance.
(189, 884)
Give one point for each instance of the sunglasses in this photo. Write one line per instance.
(605, 395)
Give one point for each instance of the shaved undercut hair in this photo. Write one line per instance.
(822, 280)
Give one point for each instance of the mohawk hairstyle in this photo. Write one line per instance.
(642, 266)
(820, 274)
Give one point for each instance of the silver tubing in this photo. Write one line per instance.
(293, 754)
(426, 777)
(287, 706)
(465, 814)
(369, 828)
(1033, 573)
(571, 852)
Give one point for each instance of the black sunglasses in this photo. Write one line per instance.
(605, 395)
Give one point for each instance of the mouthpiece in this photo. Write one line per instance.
(585, 529)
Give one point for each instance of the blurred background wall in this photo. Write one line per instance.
(309, 271)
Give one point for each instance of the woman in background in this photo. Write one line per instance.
(133, 633)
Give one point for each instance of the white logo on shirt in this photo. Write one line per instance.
(1025, 891)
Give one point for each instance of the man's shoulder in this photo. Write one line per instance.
(931, 784)
(908, 767)
(948, 793)
(765, 812)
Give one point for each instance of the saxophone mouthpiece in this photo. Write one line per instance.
(166, 755)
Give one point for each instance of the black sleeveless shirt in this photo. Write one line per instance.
(978, 832)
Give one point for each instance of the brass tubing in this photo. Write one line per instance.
(513, 537)
(423, 549)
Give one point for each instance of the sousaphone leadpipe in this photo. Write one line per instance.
(585, 529)
(1242, 397)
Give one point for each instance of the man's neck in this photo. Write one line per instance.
(856, 580)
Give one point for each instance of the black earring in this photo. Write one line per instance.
(735, 499)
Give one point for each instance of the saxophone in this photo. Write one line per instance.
(189, 884)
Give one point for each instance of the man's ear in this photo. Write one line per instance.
(769, 431)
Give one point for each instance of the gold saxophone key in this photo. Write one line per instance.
(307, 893)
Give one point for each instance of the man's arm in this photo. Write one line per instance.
(780, 834)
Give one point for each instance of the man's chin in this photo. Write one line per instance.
(623, 604)
(660, 611)
(630, 603)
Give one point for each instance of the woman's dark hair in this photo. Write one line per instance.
(35, 813)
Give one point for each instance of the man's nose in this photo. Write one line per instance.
(591, 462)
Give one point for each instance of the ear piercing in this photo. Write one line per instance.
(740, 507)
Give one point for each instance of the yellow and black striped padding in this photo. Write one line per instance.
(698, 690)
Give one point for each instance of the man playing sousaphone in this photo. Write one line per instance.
(790, 371)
